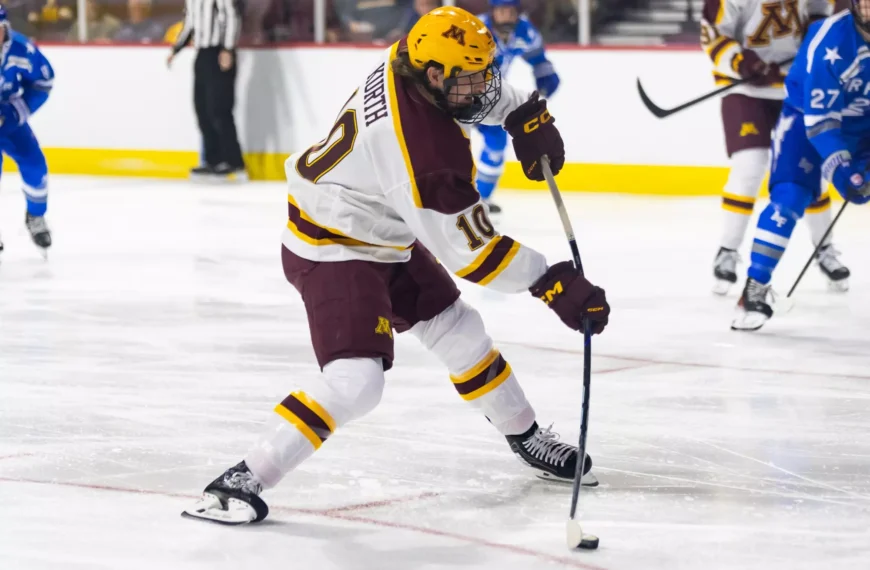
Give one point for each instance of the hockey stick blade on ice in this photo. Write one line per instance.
(573, 532)
(662, 113)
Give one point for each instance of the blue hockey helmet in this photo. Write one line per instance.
(514, 3)
(861, 15)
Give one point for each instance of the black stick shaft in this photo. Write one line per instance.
(584, 420)
(587, 334)
(662, 113)
(816, 251)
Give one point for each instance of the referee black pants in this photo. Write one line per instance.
(214, 96)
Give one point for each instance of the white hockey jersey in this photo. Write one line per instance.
(396, 169)
(773, 29)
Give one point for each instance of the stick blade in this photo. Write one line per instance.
(573, 534)
(575, 538)
(652, 107)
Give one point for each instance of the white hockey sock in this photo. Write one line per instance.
(350, 388)
(818, 216)
(478, 371)
(738, 197)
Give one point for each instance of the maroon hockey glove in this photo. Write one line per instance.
(572, 297)
(759, 72)
(534, 135)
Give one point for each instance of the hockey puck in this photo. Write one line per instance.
(589, 542)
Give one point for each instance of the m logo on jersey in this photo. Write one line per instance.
(456, 33)
(780, 19)
(747, 129)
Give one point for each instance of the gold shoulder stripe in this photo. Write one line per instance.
(397, 125)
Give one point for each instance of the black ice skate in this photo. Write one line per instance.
(226, 172)
(541, 450)
(725, 270)
(494, 209)
(752, 308)
(231, 499)
(204, 173)
(39, 232)
(837, 273)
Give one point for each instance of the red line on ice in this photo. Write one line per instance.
(382, 503)
(16, 456)
(340, 514)
(652, 361)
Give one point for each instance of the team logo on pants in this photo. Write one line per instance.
(384, 327)
(747, 129)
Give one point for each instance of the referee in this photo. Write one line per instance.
(214, 26)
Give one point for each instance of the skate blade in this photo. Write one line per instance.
(210, 509)
(721, 287)
(840, 286)
(748, 321)
(588, 480)
(208, 178)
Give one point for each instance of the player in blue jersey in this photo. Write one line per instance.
(823, 134)
(25, 82)
(515, 36)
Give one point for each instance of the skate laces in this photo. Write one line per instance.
(727, 259)
(545, 445)
(757, 292)
(243, 480)
(827, 257)
(36, 224)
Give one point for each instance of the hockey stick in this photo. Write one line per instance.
(662, 113)
(816, 251)
(573, 532)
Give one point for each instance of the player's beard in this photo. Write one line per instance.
(504, 31)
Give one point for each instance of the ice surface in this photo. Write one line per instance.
(142, 359)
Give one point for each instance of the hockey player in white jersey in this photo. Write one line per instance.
(392, 180)
(754, 39)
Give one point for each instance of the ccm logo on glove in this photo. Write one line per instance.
(534, 133)
(535, 123)
(551, 294)
(572, 297)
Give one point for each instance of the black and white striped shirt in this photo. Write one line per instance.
(211, 23)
